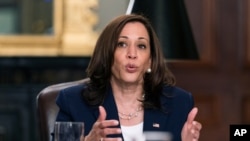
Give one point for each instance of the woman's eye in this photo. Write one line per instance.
(142, 46)
(121, 44)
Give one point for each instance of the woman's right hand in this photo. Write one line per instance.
(102, 128)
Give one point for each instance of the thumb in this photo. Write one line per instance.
(192, 114)
(102, 114)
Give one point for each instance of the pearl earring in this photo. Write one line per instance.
(149, 70)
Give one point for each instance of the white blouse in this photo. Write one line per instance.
(133, 133)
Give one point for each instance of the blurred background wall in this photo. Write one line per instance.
(219, 79)
(23, 76)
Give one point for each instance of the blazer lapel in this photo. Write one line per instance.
(111, 110)
(109, 106)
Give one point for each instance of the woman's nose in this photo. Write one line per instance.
(132, 53)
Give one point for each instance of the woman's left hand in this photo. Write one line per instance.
(191, 128)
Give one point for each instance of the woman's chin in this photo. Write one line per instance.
(131, 81)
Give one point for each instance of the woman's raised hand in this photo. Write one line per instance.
(191, 129)
(102, 128)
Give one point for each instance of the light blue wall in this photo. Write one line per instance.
(8, 20)
(109, 9)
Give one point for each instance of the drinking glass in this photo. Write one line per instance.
(157, 136)
(69, 131)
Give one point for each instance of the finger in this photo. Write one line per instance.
(102, 114)
(107, 123)
(197, 125)
(195, 133)
(109, 131)
(192, 114)
(111, 139)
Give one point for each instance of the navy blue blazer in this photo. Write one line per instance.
(176, 102)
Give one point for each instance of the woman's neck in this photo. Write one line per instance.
(127, 94)
(128, 100)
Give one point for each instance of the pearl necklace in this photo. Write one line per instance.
(130, 115)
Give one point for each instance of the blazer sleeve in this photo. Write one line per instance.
(64, 112)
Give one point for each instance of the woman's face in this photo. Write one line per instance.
(132, 54)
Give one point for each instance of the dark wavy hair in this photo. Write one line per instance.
(99, 69)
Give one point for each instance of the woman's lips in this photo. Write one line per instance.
(131, 68)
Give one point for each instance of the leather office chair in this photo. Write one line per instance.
(47, 109)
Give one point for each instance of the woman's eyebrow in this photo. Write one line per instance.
(143, 38)
(140, 38)
(123, 37)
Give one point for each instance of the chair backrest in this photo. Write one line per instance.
(47, 109)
